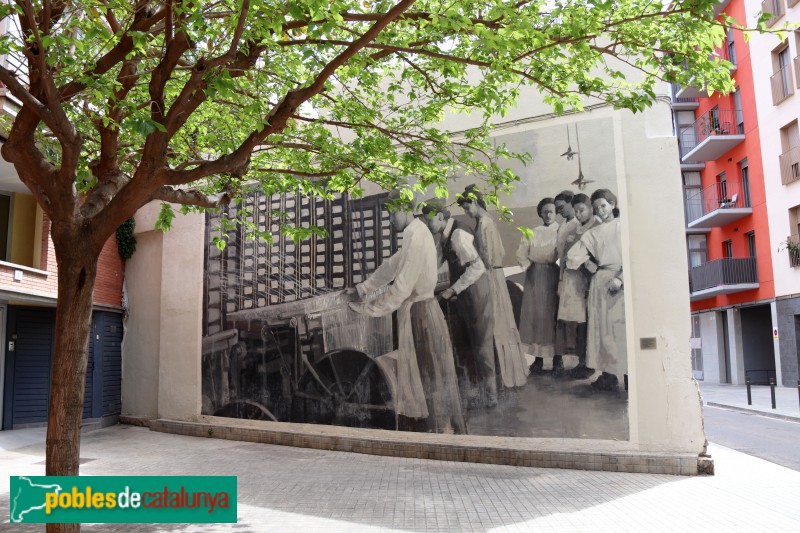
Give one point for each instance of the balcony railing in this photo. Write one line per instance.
(711, 135)
(722, 272)
(790, 165)
(680, 100)
(782, 86)
(775, 7)
(720, 195)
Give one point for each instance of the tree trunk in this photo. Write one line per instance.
(77, 269)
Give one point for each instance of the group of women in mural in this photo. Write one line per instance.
(572, 303)
(573, 297)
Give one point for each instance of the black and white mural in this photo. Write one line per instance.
(443, 320)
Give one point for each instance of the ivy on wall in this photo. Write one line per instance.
(126, 242)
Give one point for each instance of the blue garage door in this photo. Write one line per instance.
(28, 365)
(110, 327)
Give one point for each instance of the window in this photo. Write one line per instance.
(790, 158)
(713, 119)
(794, 222)
(730, 48)
(686, 134)
(751, 243)
(744, 172)
(737, 104)
(697, 247)
(722, 189)
(20, 230)
(774, 7)
(727, 248)
(781, 80)
(692, 194)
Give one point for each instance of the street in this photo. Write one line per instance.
(767, 438)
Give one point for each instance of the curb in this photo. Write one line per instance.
(751, 411)
(374, 443)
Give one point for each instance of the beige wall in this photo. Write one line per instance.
(664, 403)
(140, 344)
(161, 361)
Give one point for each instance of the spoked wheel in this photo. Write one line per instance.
(246, 409)
(345, 388)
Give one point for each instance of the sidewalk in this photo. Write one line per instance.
(735, 397)
(296, 489)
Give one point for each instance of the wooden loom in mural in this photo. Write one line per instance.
(279, 341)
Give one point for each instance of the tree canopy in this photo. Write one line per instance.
(191, 102)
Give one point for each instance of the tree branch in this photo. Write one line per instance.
(190, 197)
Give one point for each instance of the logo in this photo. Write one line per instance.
(122, 499)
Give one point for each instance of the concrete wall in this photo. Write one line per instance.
(788, 311)
(161, 363)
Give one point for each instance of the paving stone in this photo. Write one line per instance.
(304, 489)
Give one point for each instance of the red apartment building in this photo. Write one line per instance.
(727, 230)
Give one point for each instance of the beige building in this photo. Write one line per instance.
(169, 335)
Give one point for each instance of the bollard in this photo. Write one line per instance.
(749, 395)
(772, 390)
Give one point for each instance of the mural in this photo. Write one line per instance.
(443, 320)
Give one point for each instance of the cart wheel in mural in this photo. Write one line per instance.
(345, 388)
(247, 409)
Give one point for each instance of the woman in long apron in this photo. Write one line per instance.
(600, 252)
(537, 317)
(507, 344)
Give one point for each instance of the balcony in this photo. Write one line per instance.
(775, 7)
(782, 86)
(726, 53)
(792, 245)
(790, 165)
(681, 104)
(723, 276)
(716, 206)
(712, 135)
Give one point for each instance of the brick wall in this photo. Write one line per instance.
(35, 282)
(110, 271)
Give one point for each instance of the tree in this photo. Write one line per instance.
(196, 102)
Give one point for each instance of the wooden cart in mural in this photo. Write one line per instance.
(280, 342)
(336, 368)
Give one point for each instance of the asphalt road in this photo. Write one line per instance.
(767, 438)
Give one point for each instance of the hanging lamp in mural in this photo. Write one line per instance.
(581, 182)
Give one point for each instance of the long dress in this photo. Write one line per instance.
(572, 290)
(507, 344)
(537, 318)
(606, 347)
(426, 375)
(470, 281)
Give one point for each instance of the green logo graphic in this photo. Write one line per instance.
(123, 499)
